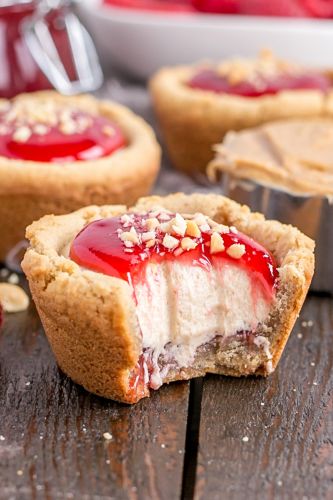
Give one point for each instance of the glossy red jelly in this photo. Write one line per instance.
(99, 247)
(101, 138)
(210, 79)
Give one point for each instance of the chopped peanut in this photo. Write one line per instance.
(170, 242)
(220, 228)
(236, 250)
(188, 244)
(205, 228)
(165, 227)
(40, 129)
(200, 219)
(192, 229)
(68, 127)
(178, 225)
(130, 236)
(13, 298)
(164, 216)
(216, 243)
(178, 252)
(22, 134)
(152, 223)
(149, 235)
(150, 243)
(125, 218)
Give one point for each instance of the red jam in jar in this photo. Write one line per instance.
(19, 71)
(211, 80)
(170, 6)
(121, 247)
(42, 132)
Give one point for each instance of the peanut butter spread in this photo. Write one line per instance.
(294, 155)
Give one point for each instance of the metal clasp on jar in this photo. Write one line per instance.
(87, 74)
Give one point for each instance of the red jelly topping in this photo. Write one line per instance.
(99, 247)
(79, 137)
(210, 79)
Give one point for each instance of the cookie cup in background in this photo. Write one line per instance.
(193, 118)
(30, 188)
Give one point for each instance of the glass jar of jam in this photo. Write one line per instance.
(19, 71)
(22, 67)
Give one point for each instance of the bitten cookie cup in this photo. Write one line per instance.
(193, 119)
(31, 186)
(104, 329)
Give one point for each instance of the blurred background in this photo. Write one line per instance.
(133, 38)
(139, 36)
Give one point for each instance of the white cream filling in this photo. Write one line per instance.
(182, 307)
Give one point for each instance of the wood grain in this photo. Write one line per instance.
(286, 420)
(51, 430)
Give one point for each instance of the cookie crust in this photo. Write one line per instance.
(29, 190)
(90, 320)
(193, 120)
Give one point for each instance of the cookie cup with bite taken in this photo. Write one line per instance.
(172, 288)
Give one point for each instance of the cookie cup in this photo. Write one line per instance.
(193, 120)
(29, 190)
(90, 318)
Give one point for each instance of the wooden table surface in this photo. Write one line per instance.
(212, 438)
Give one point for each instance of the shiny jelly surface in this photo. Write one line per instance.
(211, 80)
(99, 247)
(42, 143)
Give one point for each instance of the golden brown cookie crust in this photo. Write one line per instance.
(193, 120)
(90, 318)
(29, 189)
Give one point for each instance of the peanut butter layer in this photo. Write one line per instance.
(294, 155)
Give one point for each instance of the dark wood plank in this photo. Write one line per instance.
(52, 443)
(286, 420)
